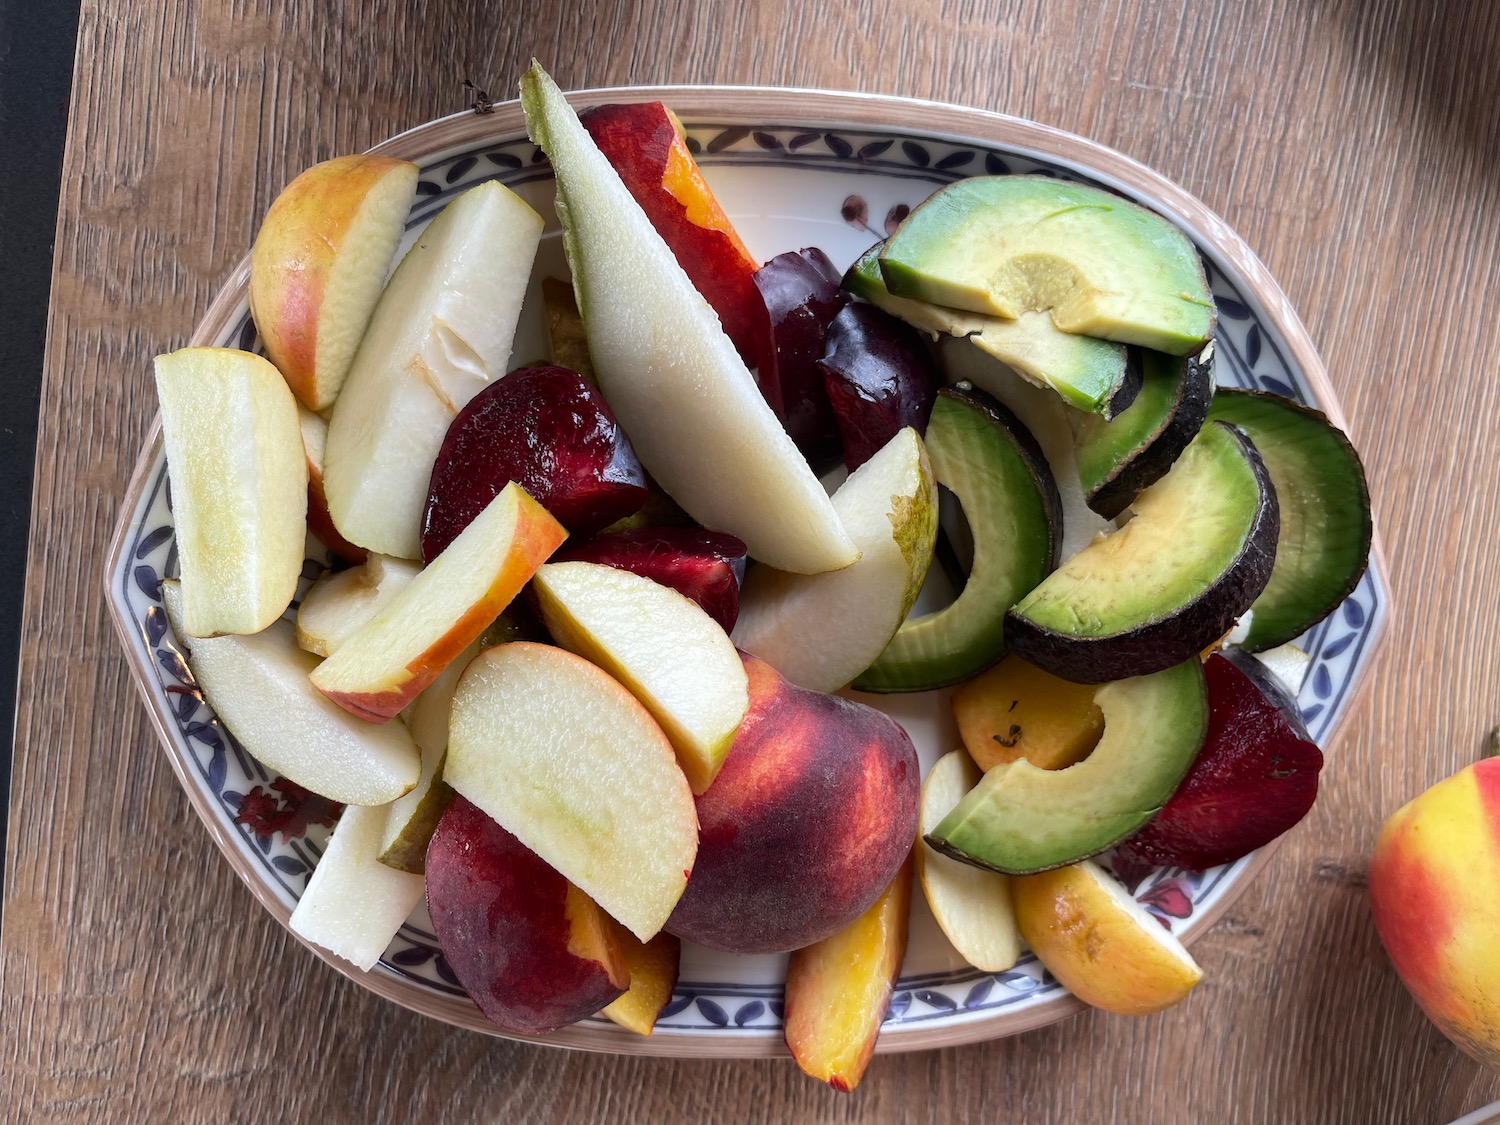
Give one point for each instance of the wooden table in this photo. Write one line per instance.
(1354, 143)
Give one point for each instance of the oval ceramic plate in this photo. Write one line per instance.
(792, 168)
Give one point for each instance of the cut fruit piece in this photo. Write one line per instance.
(1103, 266)
(691, 407)
(989, 461)
(319, 522)
(1325, 512)
(258, 686)
(1256, 777)
(1091, 375)
(1117, 459)
(672, 656)
(440, 334)
(1169, 583)
(707, 566)
(822, 630)
(838, 991)
(970, 904)
(339, 604)
(354, 904)
(1105, 947)
(565, 331)
(569, 761)
(530, 949)
(1016, 710)
(238, 475)
(813, 812)
(318, 264)
(1288, 664)
(653, 969)
(1021, 819)
(550, 431)
(645, 144)
(381, 668)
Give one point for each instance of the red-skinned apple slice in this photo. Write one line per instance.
(531, 950)
(440, 334)
(319, 522)
(691, 407)
(564, 757)
(239, 487)
(380, 669)
(340, 603)
(707, 566)
(661, 645)
(258, 686)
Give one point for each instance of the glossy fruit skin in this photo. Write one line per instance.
(802, 297)
(878, 378)
(501, 916)
(812, 814)
(1435, 894)
(549, 430)
(707, 566)
(1255, 778)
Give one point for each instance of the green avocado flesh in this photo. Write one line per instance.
(1102, 446)
(1020, 819)
(1086, 372)
(1011, 505)
(1104, 267)
(1325, 513)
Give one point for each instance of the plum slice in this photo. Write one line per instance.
(707, 566)
(878, 378)
(549, 430)
(1256, 776)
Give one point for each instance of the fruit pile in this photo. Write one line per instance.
(573, 678)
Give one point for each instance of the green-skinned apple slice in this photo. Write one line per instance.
(822, 630)
(692, 409)
(673, 656)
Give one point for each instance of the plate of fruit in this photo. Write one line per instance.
(728, 572)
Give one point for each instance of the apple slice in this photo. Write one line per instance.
(971, 905)
(838, 990)
(239, 487)
(339, 604)
(319, 522)
(354, 904)
(565, 758)
(441, 332)
(691, 407)
(318, 264)
(653, 969)
(258, 686)
(822, 630)
(661, 645)
(381, 668)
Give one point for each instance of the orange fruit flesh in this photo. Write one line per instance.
(1016, 710)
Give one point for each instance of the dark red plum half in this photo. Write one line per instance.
(878, 377)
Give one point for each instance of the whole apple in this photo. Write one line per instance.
(1435, 894)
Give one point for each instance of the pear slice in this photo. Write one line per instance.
(661, 645)
(338, 605)
(441, 332)
(239, 487)
(971, 905)
(567, 761)
(822, 630)
(693, 412)
(258, 686)
(354, 904)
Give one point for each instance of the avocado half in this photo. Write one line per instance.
(1021, 819)
(1103, 266)
(1194, 556)
(1092, 375)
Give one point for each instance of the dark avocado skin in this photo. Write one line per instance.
(1128, 387)
(1150, 462)
(1166, 641)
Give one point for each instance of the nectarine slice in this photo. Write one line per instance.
(653, 969)
(1016, 710)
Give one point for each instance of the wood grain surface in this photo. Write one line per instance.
(1354, 143)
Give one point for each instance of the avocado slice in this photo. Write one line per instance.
(1197, 552)
(1325, 512)
(1118, 458)
(1103, 266)
(1092, 375)
(1021, 819)
(992, 464)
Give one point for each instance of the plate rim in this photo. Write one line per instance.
(733, 104)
